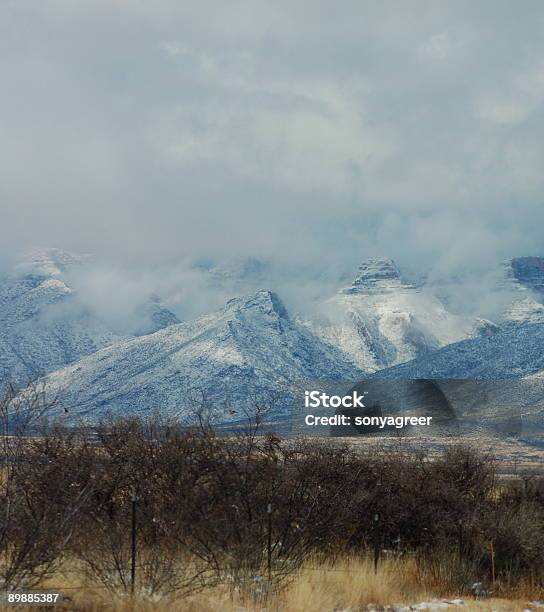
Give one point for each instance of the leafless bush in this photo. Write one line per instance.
(252, 509)
(131, 460)
(36, 517)
(247, 508)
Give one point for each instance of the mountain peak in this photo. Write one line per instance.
(263, 300)
(376, 275)
(528, 271)
(49, 262)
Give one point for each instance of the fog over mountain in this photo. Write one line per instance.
(364, 180)
(99, 349)
(150, 133)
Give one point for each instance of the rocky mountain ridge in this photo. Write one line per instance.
(379, 323)
(229, 359)
(43, 324)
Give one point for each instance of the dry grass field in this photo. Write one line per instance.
(514, 457)
(348, 585)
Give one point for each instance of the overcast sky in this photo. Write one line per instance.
(321, 131)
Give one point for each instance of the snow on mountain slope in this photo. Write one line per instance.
(39, 330)
(237, 273)
(49, 262)
(514, 353)
(43, 325)
(495, 382)
(529, 272)
(524, 276)
(381, 320)
(152, 316)
(248, 348)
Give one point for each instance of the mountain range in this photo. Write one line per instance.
(252, 350)
(249, 351)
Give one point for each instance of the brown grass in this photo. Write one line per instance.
(349, 585)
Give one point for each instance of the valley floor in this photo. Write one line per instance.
(514, 457)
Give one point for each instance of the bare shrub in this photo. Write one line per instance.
(247, 509)
(131, 460)
(257, 508)
(36, 516)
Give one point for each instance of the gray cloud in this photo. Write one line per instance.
(302, 133)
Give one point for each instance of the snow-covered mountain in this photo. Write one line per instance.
(513, 353)
(43, 324)
(251, 349)
(497, 381)
(239, 273)
(529, 272)
(381, 320)
(247, 351)
(151, 316)
(41, 328)
(524, 276)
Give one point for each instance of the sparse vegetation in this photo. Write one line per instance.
(347, 584)
(249, 516)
